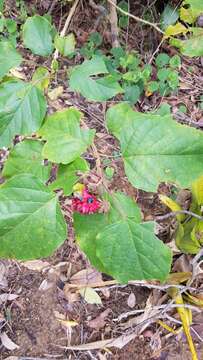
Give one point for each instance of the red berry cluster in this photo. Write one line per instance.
(86, 204)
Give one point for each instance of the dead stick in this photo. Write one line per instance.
(66, 25)
(114, 23)
(136, 17)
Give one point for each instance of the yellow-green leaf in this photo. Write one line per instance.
(172, 205)
(176, 29)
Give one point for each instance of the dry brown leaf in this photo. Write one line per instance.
(70, 295)
(86, 277)
(183, 264)
(37, 265)
(131, 300)
(100, 321)
(46, 285)
(7, 297)
(7, 342)
(105, 292)
(55, 93)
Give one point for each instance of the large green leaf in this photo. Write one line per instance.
(67, 176)
(22, 110)
(193, 46)
(101, 89)
(26, 157)
(37, 35)
(31, 222)
(155, 148)
(118, 244)
(66, 141)
(9, 57)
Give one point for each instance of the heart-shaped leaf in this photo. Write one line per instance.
(31, 222)
(37, 35)
(118, 244)
(22, 110)
(82, 81)
(66, 141)
(9, 57)
(26, 157)
(155, 148)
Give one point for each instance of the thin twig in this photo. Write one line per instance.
(159, 307)
(136, 17)
(66, 25)
(156, 51)
(175, 213)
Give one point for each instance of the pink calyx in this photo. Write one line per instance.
(86, 204)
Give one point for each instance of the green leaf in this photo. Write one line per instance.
(95, 38)
(66, 141)
(131, 251)
(86, 230)
(41, 78)
(9, 58)
(197, 232)
(155, 148)
(1, 5)
(31, 222)
(193, 9)
(162, 60)
(67, 176)
(22, 110)
(26, 157)
(164, 109)
(187, 15)
(169, 16)
(101, 89)
(65, 45)
(11, 26)
(163, 74)
(109, 172)
(182, 109)
(37, 35)
(197, 190)
(193, 46)
(153, 86)
(185, 239)
(175, 61)
(119, 245)
(123, 19)
(2, 23)
(132, 94)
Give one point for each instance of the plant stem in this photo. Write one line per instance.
(175, 213)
